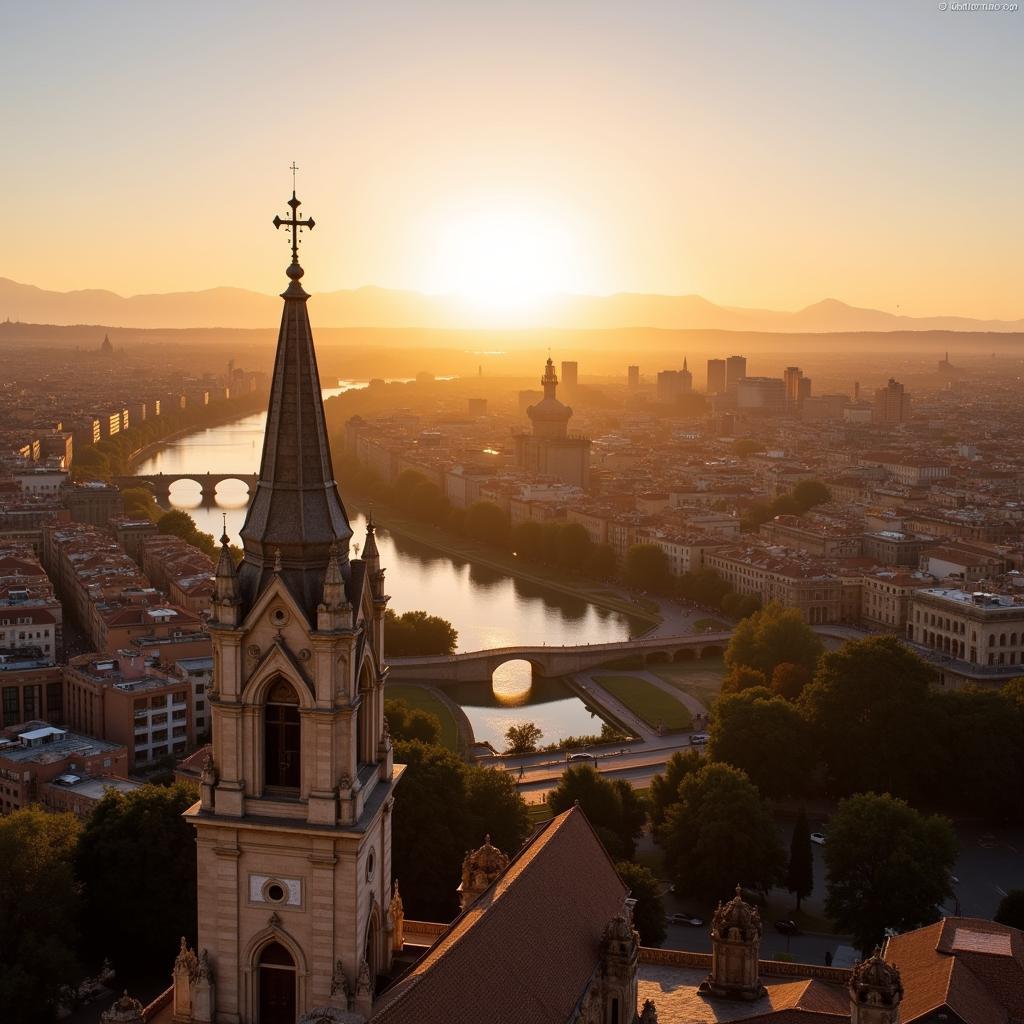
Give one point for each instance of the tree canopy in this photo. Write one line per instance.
(612, 808)
(772, 636)
(522, 738)
(1011, 909)
(38, 913)
(867, 706)
(888, 866)
(417, 634)
(649, 912)
(764, 736)
(136, 851)
(442, 809)
(720, 832)
(405, 723)
(647, 568)
(179, 523)
(665, 786)
(800, 871)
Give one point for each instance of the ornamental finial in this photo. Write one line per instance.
(294, 225)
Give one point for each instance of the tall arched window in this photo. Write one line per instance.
(277, 985)
(281, 737)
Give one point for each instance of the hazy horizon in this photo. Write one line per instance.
(750, 154)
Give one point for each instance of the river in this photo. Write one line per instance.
(488, 608)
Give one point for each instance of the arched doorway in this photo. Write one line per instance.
(281, 736)
(276, 985)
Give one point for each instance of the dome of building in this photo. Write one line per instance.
(736, 919)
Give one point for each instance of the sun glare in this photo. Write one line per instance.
(503, 259)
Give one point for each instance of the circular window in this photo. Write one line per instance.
(275, 892)
(279, 616)
(370, 862)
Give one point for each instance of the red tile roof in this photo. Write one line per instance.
(526, 949)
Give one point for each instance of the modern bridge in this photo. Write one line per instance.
(160, 483)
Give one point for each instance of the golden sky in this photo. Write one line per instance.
(759, 154)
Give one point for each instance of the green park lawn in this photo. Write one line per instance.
(701, 678)
(654, 706)
(419, 697)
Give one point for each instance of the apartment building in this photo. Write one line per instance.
(983, 629)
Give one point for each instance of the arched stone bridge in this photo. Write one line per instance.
(479, 666)
(160, 483)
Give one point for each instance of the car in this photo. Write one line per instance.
(698, 739)
(787, 927)
(686, 918)
(581, 757)
(818, 837)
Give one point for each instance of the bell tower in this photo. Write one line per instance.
(293, 827)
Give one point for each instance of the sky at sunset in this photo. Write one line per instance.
(759, 154)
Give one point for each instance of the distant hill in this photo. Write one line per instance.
(381, 307)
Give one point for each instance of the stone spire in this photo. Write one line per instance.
(550, 417)
(334, 611)
(226, 588)
(296, 509)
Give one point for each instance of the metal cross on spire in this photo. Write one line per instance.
(293, 224)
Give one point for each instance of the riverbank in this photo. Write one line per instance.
(252, 404)
(478, 554)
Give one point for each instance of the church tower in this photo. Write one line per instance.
(294, 823)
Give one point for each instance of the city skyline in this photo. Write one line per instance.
(754, 156)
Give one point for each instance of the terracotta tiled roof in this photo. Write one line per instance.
(525, 950)
(973, 967)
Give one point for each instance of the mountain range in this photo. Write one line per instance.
(382, 307)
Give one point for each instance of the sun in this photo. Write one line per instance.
(503, 259)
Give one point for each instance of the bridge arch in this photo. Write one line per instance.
(512, 679)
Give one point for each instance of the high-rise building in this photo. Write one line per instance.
(735, 370)
(570, 373)
(673, 385)
(716, 376)
(633, 376)
(792, 377)
(892, 404)
(760, 394)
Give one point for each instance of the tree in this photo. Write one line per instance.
(789, 680)
(495, 808)
(888, 866)
(137, 850)
(522, 738)
(867, 706)
(428, 831)
(647, 568)
(416, 634)
(981, 752)
(649, 912)
(800, 872)
(809, 493)
(139, 501)
(602, 562)
(1011, 909)
(720, 832)
(665, 787)
(180, 524)
(616, 818)
(743, 677)
(405, 723)
(774, 635)
(575, 546)
(764, 736)
(38, 910)
(486, 522)
(527, 540)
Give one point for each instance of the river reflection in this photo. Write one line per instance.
(486, 607)
(515, 698)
